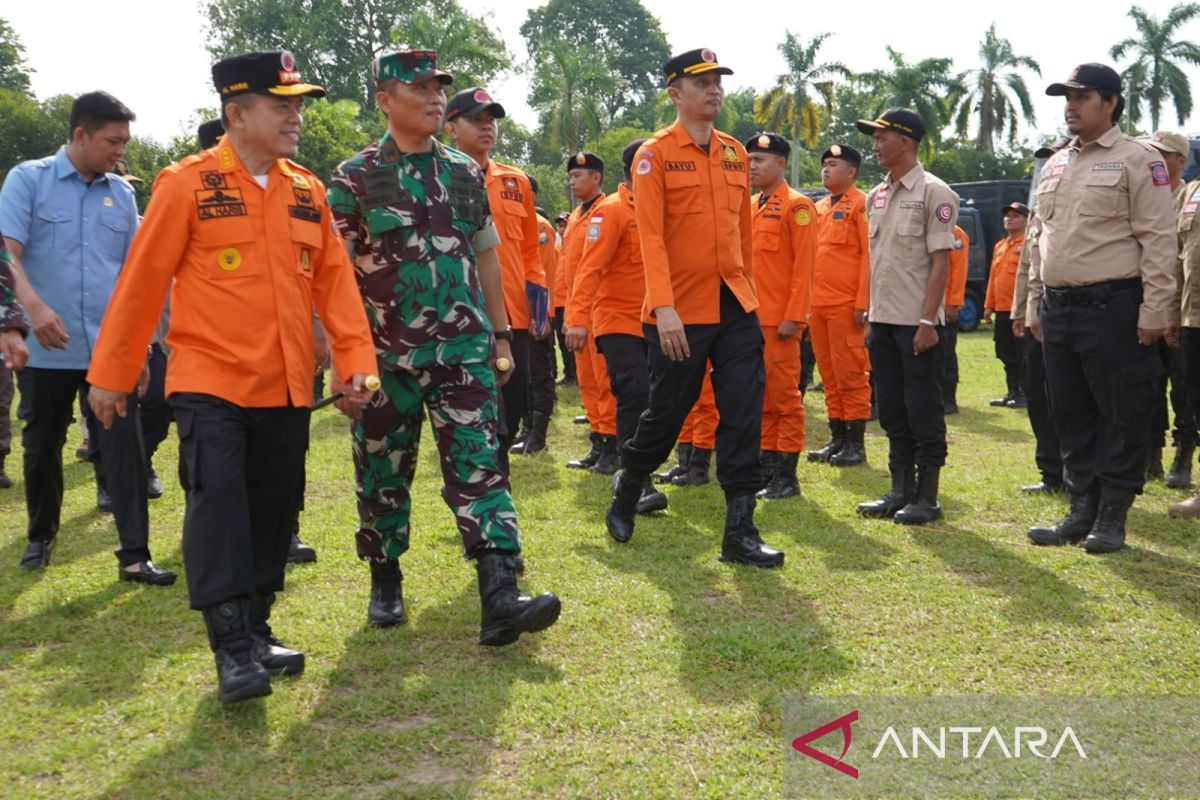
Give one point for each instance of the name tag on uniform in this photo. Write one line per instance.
(1108, 166)
(1189, 208)
(839, 215)
(382, 187)
(912, 203)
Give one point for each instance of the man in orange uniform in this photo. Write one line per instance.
(606, 304)
(694, 220)
(785, 246)
(471, 121)
(542, 395)
(585, 171)
(956, 291)
(839, 307)
(243, 238)
(1006, 256)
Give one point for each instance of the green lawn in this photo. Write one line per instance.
(665, 675)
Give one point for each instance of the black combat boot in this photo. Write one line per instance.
(522, 434)
(697, 471)
(904, 486)
(1154, 465)
(854, 450)
(924, 507)
(535, 442)
(767, 461)
(1180, 476)
(1108, 531)
(741, 543)
(5, 481)
(683, 456)
(299, 552)
(627, 490)
(386, 607)
(783, 480)
(1074, 527)
(608, 461)
(275, 657)
(651, 499)
(506, 612)
(588, 461)
(837, 440)
(239, 675)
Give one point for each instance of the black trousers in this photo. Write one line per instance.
(1101, 381)
(808, 360)
(1047, 452)
(246, 473)
(1190, 364)
(567, 356)
(542, 393)
(949, 342)
(1009, 350)
(47, 398)
(6, 397)
(628, 378)
(516, 391)
(735, 348)
(1171, 386)
(908, 394)
(155, 412)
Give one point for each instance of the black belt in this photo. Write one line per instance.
(1092, 294)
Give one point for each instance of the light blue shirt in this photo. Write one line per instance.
(75, 237)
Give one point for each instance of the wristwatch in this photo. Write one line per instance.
(504, 335)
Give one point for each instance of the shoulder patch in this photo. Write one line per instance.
(944, 212)
(802, 217)
(1158, 173)
(643, 167)
(593, 233)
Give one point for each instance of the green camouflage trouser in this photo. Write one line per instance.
(461, 401)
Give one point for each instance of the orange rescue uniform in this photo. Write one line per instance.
(785, 246)
(840, 285)
(956, 275)
(548, 251)
(1006, 257)
(511, 199)
(610, 283)
(591, 370)
(245, 266)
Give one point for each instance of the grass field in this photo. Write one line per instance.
(665, 675)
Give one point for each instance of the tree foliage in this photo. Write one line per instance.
(14, 72)
(790, 107)
(1155, 73)
(995, 94)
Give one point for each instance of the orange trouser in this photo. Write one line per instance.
(783, 405)
(700, 427)
(598, 401)
(841, 352)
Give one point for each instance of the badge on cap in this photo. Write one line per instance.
(580, 159)
(229, 259)
(764, 141)
(482, 97)
(944, 212)
(835, 151)
(287, 61)
(707, 56)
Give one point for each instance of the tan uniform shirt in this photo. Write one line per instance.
(1106, 215)
(1021, 287)
(908, 221)
(1189, 251)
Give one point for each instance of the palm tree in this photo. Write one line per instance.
(789, 106)
(567, 89)
(1155, 74)
(927, 87)
(996, 93)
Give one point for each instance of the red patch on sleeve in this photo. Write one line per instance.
(1158, 173)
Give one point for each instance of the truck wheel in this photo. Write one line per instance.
(971, 311)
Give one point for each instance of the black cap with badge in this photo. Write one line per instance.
(472, 102)
(585, 161)
(767, 142)
(272, 72)
(1020, 208)
(693, 62)
(209, 133)
(901, 120)
(845, 152)
(1088, 76)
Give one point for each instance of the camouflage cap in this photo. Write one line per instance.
(408, 66)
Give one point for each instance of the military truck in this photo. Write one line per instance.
(979, 215)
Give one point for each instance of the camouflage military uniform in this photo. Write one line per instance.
(415, 222)
(11, 315)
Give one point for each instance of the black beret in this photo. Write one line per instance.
(209, 132)
(585, 161)
(766, 142)
(843, 151)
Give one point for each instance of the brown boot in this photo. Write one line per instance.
(1185, 509)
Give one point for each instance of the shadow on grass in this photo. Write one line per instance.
(1173, 581)
(984, 423)
(844, 547)
(426, 694)
(1035, 593)
(754, 642)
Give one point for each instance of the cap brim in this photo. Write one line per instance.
(445, 77)
(869, 126)
(1044, 152)
(298, 90)
(474, 111)
(1059, 89)
(702, 69)
(1162, 148)
(1006, 209)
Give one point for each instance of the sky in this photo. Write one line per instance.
(164, 78)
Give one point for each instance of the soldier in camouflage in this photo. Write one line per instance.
(13, 352)
(416, 221)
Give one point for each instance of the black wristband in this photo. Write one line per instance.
(504, 335)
